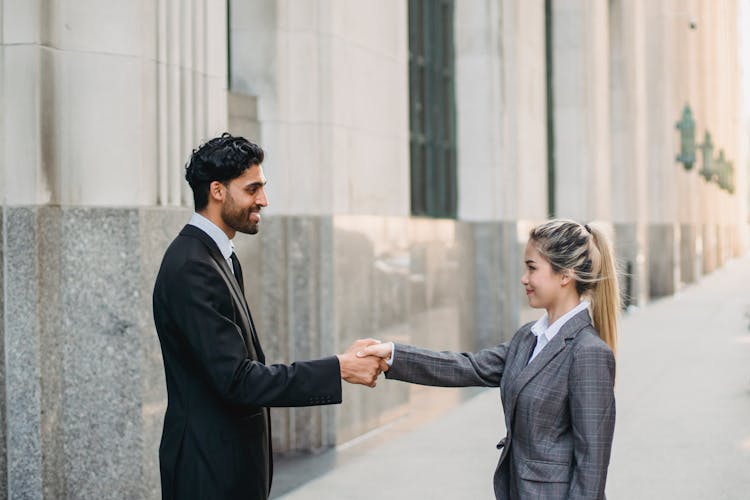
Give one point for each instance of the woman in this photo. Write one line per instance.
(556, 375)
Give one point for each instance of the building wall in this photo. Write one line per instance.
(103, 101)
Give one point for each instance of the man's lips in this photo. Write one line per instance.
(529, 292)
(255, 217)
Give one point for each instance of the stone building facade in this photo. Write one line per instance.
(538, 108)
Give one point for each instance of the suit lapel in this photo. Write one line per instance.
(547, 354)
(241, 282)
(234, 288)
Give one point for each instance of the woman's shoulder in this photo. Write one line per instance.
(522, 332)
(588, 341)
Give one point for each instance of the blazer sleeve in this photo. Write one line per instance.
(592, 414)
(202, 309)
(448, 369)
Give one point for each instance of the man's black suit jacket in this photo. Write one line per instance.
(216, 442)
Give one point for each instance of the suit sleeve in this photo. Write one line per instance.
(592, 408)
(448, 369)
(203, 311)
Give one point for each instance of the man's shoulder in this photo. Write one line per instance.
(187, 244)
(185, 251)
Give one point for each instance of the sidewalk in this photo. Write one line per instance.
(683, 423)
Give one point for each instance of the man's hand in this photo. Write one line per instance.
(360, 370)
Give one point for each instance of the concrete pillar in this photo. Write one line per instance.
(629, 132)
(663, 237)
(502, 169)
(581, 96)
(99, 103)
(336, 135)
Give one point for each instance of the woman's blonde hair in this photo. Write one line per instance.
(586, 251)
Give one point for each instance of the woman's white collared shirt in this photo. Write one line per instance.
(545, 332)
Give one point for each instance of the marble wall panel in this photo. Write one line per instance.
(157, 228)
(49, 237)
(22, 354)
(664, 265)
(689, 253)
(709, 248)
(490, 274)
(629, 260)
(3, 406)
(371, 278)
(101, 352)
(287, 283)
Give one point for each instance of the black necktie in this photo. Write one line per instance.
(238, 276)
(237, 271)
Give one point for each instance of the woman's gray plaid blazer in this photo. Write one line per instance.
(559, 409)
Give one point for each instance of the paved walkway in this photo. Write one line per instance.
(683, 423)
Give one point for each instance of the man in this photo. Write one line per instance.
(216, 442)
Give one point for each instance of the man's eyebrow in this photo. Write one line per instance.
(256, 184)
(530, 261)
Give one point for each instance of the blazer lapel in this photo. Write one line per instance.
(234, 287)
(547, 354)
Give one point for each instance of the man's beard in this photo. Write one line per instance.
(238, 218)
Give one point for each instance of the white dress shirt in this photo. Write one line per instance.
(226, 247)
(545, 332)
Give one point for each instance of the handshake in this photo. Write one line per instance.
(364, 361)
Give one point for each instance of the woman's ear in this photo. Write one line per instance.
(566, 276)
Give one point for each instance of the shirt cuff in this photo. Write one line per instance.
(389, 361)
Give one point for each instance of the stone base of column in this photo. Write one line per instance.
(690, 257)
(629, 246)
(663, 259)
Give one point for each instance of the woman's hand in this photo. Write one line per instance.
(383, 350)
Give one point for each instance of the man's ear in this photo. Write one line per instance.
(217, 191)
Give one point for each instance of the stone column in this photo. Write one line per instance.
(581, 96)
(663, 237)
(336, 135)
(685, 81)
(502, 155)
(101, 103)
(629, 129)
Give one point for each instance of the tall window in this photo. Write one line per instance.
(432, 108)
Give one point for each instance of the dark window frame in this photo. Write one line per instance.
(432, 109)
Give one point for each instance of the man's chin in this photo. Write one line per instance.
(248, 229)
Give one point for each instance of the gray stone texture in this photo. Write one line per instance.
(100, 291)
(22, 354)
(689, 256)
(243, 116)
(83, 374)
(83, 371)
(371, 278)
(663, 271)
(3, 406)
(158, 227)
(710, 258)
(490, 273)
(626, 256)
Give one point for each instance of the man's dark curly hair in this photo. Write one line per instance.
(220, 159)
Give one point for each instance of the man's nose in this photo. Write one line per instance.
(262, 199)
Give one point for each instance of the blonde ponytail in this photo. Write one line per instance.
(605, 294)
